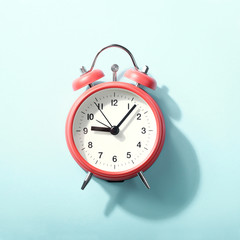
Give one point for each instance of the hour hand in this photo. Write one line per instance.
(101, 129)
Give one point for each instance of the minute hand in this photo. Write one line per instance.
(128, 113)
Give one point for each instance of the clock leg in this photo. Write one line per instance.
(87, 179)
(140, 174)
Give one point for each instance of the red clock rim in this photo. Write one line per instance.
(126, 174)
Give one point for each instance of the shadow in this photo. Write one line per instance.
(174, 177)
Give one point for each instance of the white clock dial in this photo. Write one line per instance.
(96, 135)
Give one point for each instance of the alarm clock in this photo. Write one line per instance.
(115, 130)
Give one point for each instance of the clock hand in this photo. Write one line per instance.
(113, 130)
(102, 129)
(102, 123)
(124, 118)
(103, 114)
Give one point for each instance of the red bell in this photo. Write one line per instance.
(87, 78)
(141, 78)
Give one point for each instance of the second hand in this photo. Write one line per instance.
(102, 123)
(103, 114)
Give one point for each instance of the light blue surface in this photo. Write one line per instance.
(192, 49)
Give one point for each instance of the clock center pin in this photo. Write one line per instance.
(114, 130)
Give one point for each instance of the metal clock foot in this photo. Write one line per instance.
(86, 181)
(140, 174)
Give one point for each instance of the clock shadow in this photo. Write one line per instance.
(174, 177)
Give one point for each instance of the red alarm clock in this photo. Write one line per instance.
(115, 130)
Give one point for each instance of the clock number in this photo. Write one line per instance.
(139, 144)
(114, 158)
(139, 116)
(100, 154)
(90, 144)
(100, 106)
(90, 116)
(143, 130)
(128, 154)
(128, 105)
(114, 102)
(85, 130)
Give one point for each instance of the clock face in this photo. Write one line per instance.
(114, 130)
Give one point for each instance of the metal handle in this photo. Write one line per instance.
(118, 46)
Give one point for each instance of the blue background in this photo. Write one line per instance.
(192, 49)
